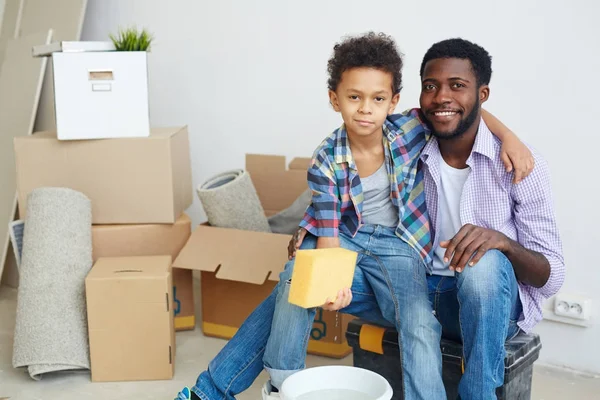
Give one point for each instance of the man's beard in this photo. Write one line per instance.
(463, 125)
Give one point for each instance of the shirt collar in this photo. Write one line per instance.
(485, 142)
(341, 151)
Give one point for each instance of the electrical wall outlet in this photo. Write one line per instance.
(573, 306)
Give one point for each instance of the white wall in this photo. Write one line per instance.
(251, 77)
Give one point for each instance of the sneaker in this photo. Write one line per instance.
(185, 394)
(267, 392)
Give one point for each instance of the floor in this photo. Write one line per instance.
(193, 353)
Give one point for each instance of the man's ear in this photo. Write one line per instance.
(333, 100)
(395, 100)
(484, 93)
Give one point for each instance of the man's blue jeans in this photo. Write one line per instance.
(389, 288)
(479, 307)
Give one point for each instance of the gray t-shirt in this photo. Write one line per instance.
(378, 208)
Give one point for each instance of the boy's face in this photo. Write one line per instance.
(364, 97)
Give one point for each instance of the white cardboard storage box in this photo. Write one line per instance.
(98, 93)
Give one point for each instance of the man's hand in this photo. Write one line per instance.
(295, 242)
(343, 300)
(515, 155)
(472, 241)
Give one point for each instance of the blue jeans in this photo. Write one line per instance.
(480, 308)
(389, 287)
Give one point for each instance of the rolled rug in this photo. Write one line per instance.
(230, 201)
(51, 326)
(287, 221)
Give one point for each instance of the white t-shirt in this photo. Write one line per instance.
(452, 182)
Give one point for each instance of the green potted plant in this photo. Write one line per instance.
(131, 39)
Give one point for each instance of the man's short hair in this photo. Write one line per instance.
(481, 61)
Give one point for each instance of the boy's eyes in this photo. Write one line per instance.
(355, 97)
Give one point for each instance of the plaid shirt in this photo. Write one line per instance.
(523, 212)
(337, 196)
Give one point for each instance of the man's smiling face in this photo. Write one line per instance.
(450, 96)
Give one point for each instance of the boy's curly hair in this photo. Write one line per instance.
(372, 50)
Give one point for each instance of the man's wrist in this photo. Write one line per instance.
(508, 246)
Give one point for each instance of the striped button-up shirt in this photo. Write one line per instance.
(337, 196)
(523, 212)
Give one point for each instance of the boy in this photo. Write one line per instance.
(368, 197)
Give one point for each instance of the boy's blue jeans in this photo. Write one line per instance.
(389, 287)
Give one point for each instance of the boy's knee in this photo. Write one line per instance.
(309, 243)
(286, 274)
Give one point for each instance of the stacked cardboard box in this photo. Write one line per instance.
(139, 189)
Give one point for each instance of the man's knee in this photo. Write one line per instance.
(488, 278)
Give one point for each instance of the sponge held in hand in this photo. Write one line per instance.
(320, 274)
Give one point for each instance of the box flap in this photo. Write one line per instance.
(236, 255)
(155, 133)
(300, 163)
(276, 185)
(72, 47)
(130, 267)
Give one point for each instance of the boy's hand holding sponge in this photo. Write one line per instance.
(323, 276)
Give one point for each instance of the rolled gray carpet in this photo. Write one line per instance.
(51, 327)
(230, 201)
(288, 220)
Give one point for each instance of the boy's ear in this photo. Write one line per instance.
(394, 103)
(484, 93)
(333, 100)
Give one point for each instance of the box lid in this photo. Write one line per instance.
(270, 175)
(155, 133)
(138, 267)
(71, 47)
(246, 256)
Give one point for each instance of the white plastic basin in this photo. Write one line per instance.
(336, 383)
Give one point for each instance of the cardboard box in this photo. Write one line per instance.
(98, 92)
(153, 240)
(130, 319)
(129, 181)
(241, 268)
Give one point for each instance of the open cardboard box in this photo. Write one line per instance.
(241, 268)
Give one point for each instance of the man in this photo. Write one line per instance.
(497, 251)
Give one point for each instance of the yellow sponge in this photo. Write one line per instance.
(319, 274)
